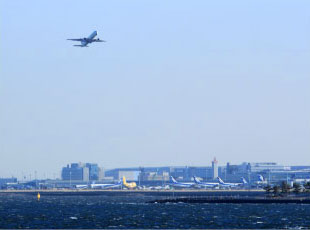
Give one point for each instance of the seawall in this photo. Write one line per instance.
(191, 193)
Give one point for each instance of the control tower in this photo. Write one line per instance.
(215, 170)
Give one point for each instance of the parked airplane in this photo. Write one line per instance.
(88, 40)
(81, 186)
(205, 184)
(231, 185)
(176, 184)
(261, 181)
(106, 186)
(131, 185)
(167, 187)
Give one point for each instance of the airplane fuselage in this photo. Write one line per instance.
(87, 40)
(105, 186)
(182, 185)
(205, 184)
(231, 185)
(177, 184)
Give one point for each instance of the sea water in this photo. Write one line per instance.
(25, 211)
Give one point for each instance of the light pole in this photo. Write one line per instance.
(35, 178)
(70, 179)
(286, 177)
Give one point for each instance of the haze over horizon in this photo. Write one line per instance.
(176, 83)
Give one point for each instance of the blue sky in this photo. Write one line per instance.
(177, 83)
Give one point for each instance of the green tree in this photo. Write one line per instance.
(285, 187)
(276, 190)
(307, 186)
(297, 188)
(268, 188)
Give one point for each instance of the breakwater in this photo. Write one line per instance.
(165, 193)
(235, 200)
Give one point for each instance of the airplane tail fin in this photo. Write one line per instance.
(243, 180)
(173, 180)
(124, 180)
(260, 178)
(197, 181)
(220, 180)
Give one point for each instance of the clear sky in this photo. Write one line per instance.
(177, 83)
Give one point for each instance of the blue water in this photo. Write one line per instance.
(24, 211)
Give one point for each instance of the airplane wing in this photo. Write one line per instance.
(76, 39)
(98, 40)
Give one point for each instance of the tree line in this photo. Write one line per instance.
(284, 188)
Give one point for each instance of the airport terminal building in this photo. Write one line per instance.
(82, 172)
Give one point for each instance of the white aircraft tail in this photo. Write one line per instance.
(173, 180)
(197, 181)
(220, 180)
(243, 180)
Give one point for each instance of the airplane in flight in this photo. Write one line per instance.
(106, 186)
(205, 184)
(231, 185)
(85, 41)
(131, 185)
(177, 184)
